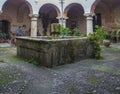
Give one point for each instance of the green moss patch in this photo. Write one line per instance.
(94, 81)
(117, 72)
(6, 78)
(2, 60)
(102, 68)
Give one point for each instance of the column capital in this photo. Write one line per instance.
(34, 15)
(60, 18)
(89, 14)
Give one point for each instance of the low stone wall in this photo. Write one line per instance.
(54, 52)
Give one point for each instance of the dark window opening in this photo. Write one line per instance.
(97, 20)
(5, 28)
(73, 25)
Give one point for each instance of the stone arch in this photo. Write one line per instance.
(18, 11)
(76, 19)
(102, 11)
(4, 6)
(47, 6)
(94, 6)
(5, 20)
(71, 5)
(23, 8)
(110, 18)
(25, 2)
(47, 15)
(29, 7)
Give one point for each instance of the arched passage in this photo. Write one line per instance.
(107, 13)
(4, 29)
(47, 15)
(18, 11)
(76, 19)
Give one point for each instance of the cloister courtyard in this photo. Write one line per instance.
(90, 76)
(56, 47)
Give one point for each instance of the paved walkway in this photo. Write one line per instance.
(4, 45)
(85, 77)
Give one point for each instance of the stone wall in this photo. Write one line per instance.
(17, 16)
(54, 52)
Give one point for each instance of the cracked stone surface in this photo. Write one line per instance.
(88, 76)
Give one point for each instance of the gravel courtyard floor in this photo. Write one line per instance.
(88, 76)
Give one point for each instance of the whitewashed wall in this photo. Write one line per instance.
(85, 3)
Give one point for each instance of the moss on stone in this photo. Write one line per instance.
(54, 52)
(94, 81)
(6, 78)
(102, 68)
(2, 60)
(117, 72)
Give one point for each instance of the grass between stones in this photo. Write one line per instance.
(6, 78)
(102, 68)
(94, 80)
(2, 60)
(117, 72)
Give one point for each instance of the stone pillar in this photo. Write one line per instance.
(89, 22)
(62, 22)
(0, 12)
(34, 18)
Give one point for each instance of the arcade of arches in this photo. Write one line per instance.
(17, 13)
(107, 14)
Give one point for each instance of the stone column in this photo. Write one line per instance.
(62, 22)
(89, 22)
(0, 12)
(34, 18)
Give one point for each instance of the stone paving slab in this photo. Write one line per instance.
(5, 45)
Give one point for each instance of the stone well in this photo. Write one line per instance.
(54, 52)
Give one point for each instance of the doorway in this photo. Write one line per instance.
(5, 28)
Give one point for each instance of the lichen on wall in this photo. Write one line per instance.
(54, 52)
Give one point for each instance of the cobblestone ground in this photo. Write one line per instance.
(84, 77)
